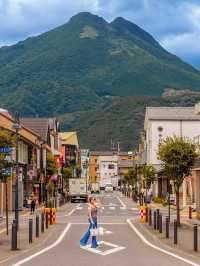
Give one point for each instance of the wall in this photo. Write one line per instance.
(188, 129)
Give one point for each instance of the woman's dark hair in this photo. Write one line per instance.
(90, 199)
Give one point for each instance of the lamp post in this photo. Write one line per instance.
(17, 128)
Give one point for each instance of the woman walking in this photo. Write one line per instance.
(92, 218)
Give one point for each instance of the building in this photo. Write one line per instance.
(48, 131)
(107, 170)
(29, 163)
(70, 144)
(163, 122)
(105, 164)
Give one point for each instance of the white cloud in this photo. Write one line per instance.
(183, 45)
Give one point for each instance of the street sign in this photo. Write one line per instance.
(6, 171)
(5, 150)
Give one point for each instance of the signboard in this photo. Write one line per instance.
(6, 171)
(5, 150)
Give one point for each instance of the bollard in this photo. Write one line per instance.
(42, 222)
(160, 223)
(146, 214)
(154, 220)
(37, 226)
(14, 236)
(150, 218)
(190, 212)
(51, 216)
(167, 227)
(46, 220)
(30, 231)
(195, 228)
(157, 218)
(175, 233)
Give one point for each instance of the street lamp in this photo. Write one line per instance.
(17, 128)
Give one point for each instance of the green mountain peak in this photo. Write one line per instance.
(85, 65)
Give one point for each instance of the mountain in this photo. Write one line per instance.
(85, 65)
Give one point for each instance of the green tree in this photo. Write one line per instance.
(177, 155)
(67, 173)
(148, 173)
(51, 164)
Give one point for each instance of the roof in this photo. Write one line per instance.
(69, 138)
(126, 163)
(107, 153)
(172, 113)
(38, 125)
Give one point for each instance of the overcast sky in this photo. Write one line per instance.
(175, 23)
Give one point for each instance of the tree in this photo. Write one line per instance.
(177, 155)
(67, 173)
(149, 174)
(51, 164)
(130, 177)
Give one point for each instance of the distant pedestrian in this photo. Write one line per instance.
(33, 206)
(92, 218)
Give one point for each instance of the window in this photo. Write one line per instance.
(111, 166)
(160, 129)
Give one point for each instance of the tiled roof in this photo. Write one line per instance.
(38, 125)
(172, 113)
(107, 153)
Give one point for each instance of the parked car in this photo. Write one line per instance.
(95, 188)
(109, 188)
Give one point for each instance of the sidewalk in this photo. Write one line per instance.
(185, 232)
(23, 235)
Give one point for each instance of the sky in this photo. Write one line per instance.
(174, 23)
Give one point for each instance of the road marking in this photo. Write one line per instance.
(72, 211)
(113, 248)
(123, 208)
(133, 209)
(121, 202)
(57, 242)
(112, 208)
(79, 208)
(100, 223)
(157, 248)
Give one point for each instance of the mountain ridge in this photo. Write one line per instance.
(85, 64)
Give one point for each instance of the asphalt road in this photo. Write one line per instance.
(120, 245)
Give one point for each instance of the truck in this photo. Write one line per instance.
(78, 189)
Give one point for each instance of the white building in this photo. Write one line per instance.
(162, 122)
(107, 170)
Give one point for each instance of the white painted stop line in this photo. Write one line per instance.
(112, 208)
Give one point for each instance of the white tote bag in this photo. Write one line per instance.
(94, 232)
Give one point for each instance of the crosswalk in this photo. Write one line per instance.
(111, 207)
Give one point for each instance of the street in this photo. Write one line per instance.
(120, 244)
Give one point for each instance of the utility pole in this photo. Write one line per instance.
(17, 128)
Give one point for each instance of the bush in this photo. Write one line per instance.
(159, 200)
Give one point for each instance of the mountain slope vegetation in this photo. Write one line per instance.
(88, 65)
